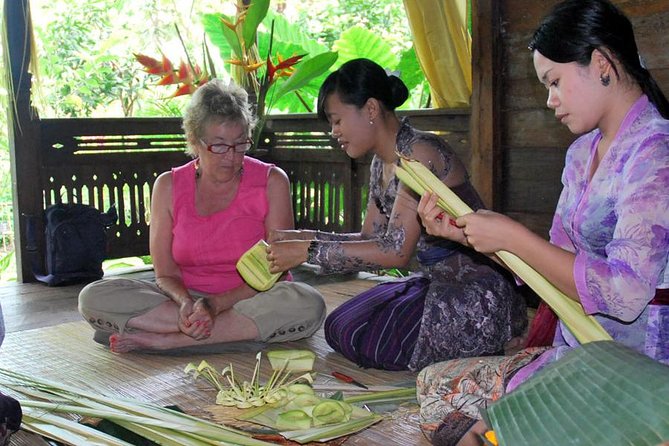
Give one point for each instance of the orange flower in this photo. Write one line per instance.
(282, 68)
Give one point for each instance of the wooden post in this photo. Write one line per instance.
(23, 137)
(486, 155)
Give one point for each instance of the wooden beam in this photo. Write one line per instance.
(23, 138)
(486, 155)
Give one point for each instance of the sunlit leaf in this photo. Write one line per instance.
(358, 42)
(212, 27)
(286, 32)
(254, 16)
(306, 71)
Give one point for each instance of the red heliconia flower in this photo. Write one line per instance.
(184, 74)
(184, 90)
(284, 67)
(154, 66)
(169, 79)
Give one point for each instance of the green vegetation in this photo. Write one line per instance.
(87, 66)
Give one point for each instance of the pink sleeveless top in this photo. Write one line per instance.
(206, 248)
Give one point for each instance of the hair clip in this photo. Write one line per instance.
(642, 61)
(395, 73)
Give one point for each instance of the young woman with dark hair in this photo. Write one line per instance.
(609, 240)
(461, 303)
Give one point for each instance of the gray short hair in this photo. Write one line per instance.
(216, 102)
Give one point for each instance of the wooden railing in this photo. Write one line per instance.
(115, 161)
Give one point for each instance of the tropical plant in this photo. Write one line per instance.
(238, 39)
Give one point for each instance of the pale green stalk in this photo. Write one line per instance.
(405, 393)
(66, 431)
(176, 421)
(586, 328)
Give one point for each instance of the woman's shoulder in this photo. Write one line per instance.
(410, 138)
(257, 172)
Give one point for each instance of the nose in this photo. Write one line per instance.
(334, 133)
(552, 101)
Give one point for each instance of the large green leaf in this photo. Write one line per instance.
(409, 68)
(254, 16)
(358, 42)
(284, 31)
(601, 393)
(221, 36)
(305, 71)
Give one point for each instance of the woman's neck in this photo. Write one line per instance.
(623, 101)
(385, 147)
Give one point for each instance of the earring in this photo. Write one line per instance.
(197, 168)
(605, 79)
(371, 122)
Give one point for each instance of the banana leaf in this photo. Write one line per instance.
(601, 393)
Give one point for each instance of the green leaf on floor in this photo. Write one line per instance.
(599, 393)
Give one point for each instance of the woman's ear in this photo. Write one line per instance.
(602, 61)
(372, 109)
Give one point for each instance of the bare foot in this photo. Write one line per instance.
(127, 342)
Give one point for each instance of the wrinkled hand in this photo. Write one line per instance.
(437, 222)
(196, 319)
(284, 255)
(488, 231)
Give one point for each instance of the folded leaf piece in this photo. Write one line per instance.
(584, 327)
(293, 360)
(601, 393)
(254, 267)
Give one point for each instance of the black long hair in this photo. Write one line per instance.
(360, 79)
(575, 28)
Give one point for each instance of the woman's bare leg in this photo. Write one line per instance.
(161, 319)
(229, 326)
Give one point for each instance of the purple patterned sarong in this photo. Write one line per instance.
(379, 327)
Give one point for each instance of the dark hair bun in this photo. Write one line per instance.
(398, 90)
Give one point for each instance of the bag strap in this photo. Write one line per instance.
(34, 253)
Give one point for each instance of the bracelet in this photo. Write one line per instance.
(312, 251)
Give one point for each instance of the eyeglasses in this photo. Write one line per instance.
(222, 148)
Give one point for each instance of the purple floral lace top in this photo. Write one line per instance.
(617, 223)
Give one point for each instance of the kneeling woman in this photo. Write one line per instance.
(462, 304)
(204, 216)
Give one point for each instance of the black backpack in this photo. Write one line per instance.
(76, 243)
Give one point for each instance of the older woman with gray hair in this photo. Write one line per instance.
(204, 216)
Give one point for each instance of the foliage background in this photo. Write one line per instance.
(87, 68)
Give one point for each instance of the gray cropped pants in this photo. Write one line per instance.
(286, 312)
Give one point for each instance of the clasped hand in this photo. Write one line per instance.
(196, 319)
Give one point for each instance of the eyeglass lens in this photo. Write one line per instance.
(224, 148)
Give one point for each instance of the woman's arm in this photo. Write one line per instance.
(385, 242)
(168, 274)
(280, 216)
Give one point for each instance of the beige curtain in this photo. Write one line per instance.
(444, 48)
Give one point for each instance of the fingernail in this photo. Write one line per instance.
(452, 222)
(439, 216)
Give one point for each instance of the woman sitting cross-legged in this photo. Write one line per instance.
(204, 216)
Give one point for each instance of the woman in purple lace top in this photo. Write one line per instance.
(609, 240)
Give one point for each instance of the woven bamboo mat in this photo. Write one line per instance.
(66, 353)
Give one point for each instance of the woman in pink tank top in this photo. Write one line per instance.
(204, 216)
